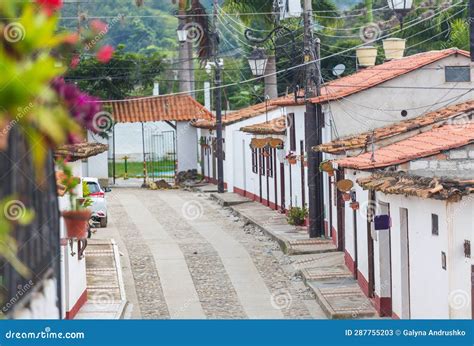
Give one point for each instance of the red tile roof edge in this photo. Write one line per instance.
(406, 148)
(289, 101)
(361, 140)
(136, 109)
(236, 116)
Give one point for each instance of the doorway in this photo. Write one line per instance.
(384, 242)
(405, 263)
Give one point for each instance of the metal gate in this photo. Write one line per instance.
(156, 160)
(160, 155)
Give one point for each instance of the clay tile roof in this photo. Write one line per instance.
(80, 151)
(421, 145)
(400, 183)
(363, 140)
(372, 76)
(159, 108)
(242, 114)
(275, 126)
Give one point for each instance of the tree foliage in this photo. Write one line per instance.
(126, 74)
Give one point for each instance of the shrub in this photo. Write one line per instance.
(296, 216)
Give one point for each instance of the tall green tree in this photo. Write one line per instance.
(125, 75)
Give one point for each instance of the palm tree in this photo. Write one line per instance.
(266, 21)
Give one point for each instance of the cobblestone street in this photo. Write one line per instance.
(184, 256)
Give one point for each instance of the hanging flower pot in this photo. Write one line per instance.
(354, 205)
(326, 166)
(4, 130)
(292, 160)
(76, 222)
(346, 197)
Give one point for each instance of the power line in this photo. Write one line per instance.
(296, 66)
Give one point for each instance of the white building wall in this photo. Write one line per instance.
(361, 219)
(434, 292)
(97, 166)
(378, 106)
(73, 269)
(460, 221)
(239, 159)
(186, 146)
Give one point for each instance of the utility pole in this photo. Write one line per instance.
(218, 102)
(313, 124)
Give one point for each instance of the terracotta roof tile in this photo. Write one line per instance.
(275, 126)
(421, 145)
(372, 76)
(363, 140)
(80, 151)
(400, 183)
(242, 114)
(159, 108)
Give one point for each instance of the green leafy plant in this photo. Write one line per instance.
(296, 216)
(70, 182)
(85, 189)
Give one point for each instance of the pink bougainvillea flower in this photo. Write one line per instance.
(99, 26)
(50, 6)
(75, 61)
(105, 53)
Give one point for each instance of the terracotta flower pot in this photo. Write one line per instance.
(292, 160)
(76, 222)
(354, 205)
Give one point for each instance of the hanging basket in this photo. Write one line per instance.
(346, 197)
(326, 166)
(76, 222)
(344, 185)
(4, 131)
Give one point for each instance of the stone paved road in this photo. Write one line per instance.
(184, 256)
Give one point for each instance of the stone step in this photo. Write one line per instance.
(310, 246)
(342, 299)
(228, 199)
(326, 273)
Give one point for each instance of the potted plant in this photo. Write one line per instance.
(77, 218)
(346, 196)
(291, 157)
(327, 166)
(296, 216)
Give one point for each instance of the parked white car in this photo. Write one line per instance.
(99, 203)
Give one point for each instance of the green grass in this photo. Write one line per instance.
(135, 169)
